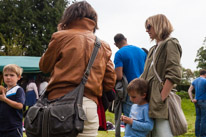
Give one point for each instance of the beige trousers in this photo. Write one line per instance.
(161, 128)
(91, 125)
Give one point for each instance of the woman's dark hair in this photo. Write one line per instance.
(78, 10)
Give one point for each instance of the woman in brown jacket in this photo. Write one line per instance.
(165, 58)
(67, 56)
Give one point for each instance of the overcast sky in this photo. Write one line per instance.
(188, 18)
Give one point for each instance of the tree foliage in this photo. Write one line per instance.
(201, 56)
(27, 25)
(196, 73)
(187, 76)
(12, 47)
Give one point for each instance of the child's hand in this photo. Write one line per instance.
(126, 119)
(2, 89)
(2, 93)
(2, 96)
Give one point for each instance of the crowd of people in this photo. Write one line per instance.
(145, 111)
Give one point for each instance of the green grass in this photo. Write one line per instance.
(189, 111)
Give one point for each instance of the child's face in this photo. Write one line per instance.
(137, 98)
(10, 78)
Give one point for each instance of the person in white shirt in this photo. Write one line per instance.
(43, 84)
(31, 92)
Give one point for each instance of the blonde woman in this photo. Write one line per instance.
(165, 58)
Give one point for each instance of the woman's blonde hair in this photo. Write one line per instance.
(13, 68)
(162, 26)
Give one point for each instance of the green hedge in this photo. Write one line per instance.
(182, 87)
(183, 94)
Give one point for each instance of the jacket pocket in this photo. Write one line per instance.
(156, 99)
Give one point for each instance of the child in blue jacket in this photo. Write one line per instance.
(138, 124)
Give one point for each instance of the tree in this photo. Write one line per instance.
(187, 76)
(196, 73)
(13, 46)
(32, 20)
(201, 56)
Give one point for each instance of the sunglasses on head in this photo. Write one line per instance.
(148, 27)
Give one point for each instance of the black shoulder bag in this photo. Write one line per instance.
(62, 117)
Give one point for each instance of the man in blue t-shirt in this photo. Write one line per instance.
(200, 103)
(129, 60)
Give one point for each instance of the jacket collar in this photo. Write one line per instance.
(84, 23)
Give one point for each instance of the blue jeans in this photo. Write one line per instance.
(127, 106)
(200, 123)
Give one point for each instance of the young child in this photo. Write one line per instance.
(11, 103)
(138, 124)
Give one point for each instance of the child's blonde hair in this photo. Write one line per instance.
(139, 85)
(13, 68)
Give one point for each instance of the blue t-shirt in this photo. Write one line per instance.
(11, 118)
(200, 88)
(132, 59)
(142, 124)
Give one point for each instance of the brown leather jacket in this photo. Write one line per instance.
(66, 59)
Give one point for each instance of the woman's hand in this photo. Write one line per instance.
(168, 86)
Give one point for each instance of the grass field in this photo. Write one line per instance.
(189, 111)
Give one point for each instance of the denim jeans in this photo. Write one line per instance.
(127, 106)
(200, 123)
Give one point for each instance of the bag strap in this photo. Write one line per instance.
(97, 45)
(155, 71)
(154, 60)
